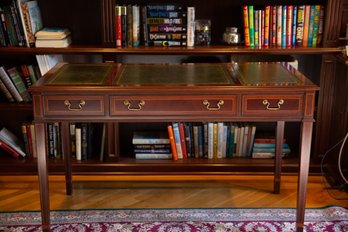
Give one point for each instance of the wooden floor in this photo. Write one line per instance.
(237, 191)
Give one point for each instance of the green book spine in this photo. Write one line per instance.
(251, 25)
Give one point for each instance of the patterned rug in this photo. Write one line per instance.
(326, 219)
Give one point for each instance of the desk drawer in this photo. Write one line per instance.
(272, 105)
(74, 105)
(172, 105)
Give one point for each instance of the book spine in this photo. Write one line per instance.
(284, 26)
(172, 142)
(26, 140)
(18, 82)
(146, 151)
(311, 26)
(136, 25)
(78, 143)
(6, 92)
(256, 28)
(321, 25)
(167, 36)
(316, 25)
(274, 26)
(11, 31)
(9, 149)
(153, 156)
(32, 139)
(246, 26)
(279, 26)
(289, 18)
(168, 43)
(165, 7)
(177, 140)
(182, 140)
(191, 26)
(251, 25)
(124, 26)
(267, 26)
(129, 22)
(294, 21)
(9, 84)
(118, 26)
(210, 140)
(300, 24)
(307, 10)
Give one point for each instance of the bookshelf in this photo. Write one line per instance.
(92, 27)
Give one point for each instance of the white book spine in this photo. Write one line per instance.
(210, 140)
(78, 143)
(190, 26)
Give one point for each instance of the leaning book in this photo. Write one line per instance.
(12, 141)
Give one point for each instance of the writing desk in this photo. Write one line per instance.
(225, 92)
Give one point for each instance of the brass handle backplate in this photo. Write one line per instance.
(68, 104)
(129, 105)
(218, 105)
(267, 104)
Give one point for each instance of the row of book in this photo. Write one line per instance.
(283, 26)
(162, 25)
(15, 81)
(87, 140)
(212, 140)
(20, 20)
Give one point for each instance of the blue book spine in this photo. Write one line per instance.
(294, 25)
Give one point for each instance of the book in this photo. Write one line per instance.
(136, 25)
(300, 25)
(150, 137)
(12, 140)
(177, 140)
(153, 156)
(191, 26)
(78, 143)
(53, 43)
(31, 19)
(6, 79)
(9, 149)
(55, 33)
(251, 26)
(15, 75)
(246, 26)
(6, 92)
(172, 142)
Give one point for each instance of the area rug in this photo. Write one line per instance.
(332, 218)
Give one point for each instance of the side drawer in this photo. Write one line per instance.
(74, 105)
(172, 105)
(272, 105)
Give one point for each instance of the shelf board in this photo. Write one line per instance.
(214, 49)
(19, 166)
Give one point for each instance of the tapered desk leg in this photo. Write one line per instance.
(67, 157)
(306, 138)
(43, 175)
(278, 155)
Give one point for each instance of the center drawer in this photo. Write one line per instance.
(172, 105)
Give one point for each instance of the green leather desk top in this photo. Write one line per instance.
(200, 74)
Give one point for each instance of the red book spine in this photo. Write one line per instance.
(9, 149)
(182, 140)
(118, 26)
(289, 18)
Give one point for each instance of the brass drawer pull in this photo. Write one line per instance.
(267, 103)
(129, 105)
(207, 104)
(68, 104)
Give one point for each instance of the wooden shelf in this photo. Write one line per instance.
(216, 49)
(133, 166)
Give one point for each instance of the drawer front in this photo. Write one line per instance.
(187, 105)
(74, 105)
(268, 105)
